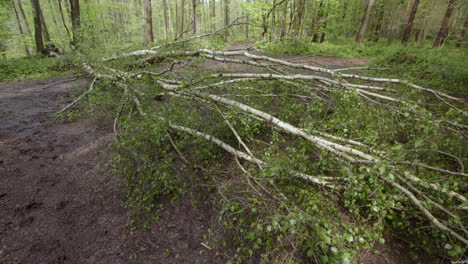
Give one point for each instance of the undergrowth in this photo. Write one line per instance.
(444, 68)
(37, 67)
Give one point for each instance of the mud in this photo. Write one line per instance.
(56, 206)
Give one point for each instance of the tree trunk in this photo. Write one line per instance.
(283, 20)
(226, 17)
(148, 27)
(213, 15)
(166, 20)
(20, 27)
(444, 28)
(45, 31)
(409, 25)
(378, 25)
(75, 18)
(365, 21)
(63, 19)
(462, 33)
(54, 19)
(36, 7)
(193, 16)
(22, 16)
(182, 16)
(318, 23)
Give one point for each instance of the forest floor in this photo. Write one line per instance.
(57, 206)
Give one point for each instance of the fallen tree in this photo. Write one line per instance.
(434, 195)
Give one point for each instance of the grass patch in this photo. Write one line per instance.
(36, 67)
(444, 69)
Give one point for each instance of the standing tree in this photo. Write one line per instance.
(193, 16)
(213, 15)
(36, 7)
(148, 27)
(20, 27)
(182, 17)
(75, 18)
(167, 20)
(45, 31)
(444, 28)
(283, 20)
(378, 25)
(463, 33)
(365, 21)
(226, 17)
(409, 25)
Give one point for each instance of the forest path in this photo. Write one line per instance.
(319, 61)
(56, 206)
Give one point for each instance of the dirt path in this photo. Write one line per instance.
(57, 207)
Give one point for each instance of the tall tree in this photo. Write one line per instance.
(463, 33)
(319, 24)
(36, 7)
(20, 27)
(213, 14)
(148, 27)
(167, 20)
(226, 17)
(22, 16)
(76, 20)
(63, 20)
(284, 13)
(378, 25)
(193, 16)
(365, 21)
(409, 25)
(182, 17)
(45, 31)
(444, 28)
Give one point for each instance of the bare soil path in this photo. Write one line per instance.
(56, 206)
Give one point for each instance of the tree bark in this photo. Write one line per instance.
(409, 25)
(365, 22)
(63, 19)
(318, 23)
(76, 20)
(213, 15)
(182, 16)
(378, 26)
(22, 16)
(45, 31)
(36, 7)
(444, 28)
(193, 16)
(283, 20)
(226, 17)
(168, 18)
(148, 27)
(20, 27)
(462, 33)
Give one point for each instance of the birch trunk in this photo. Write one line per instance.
(365, 22)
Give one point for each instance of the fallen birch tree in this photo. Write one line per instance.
(439, 204)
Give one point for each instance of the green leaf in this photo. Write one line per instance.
(334, 250)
